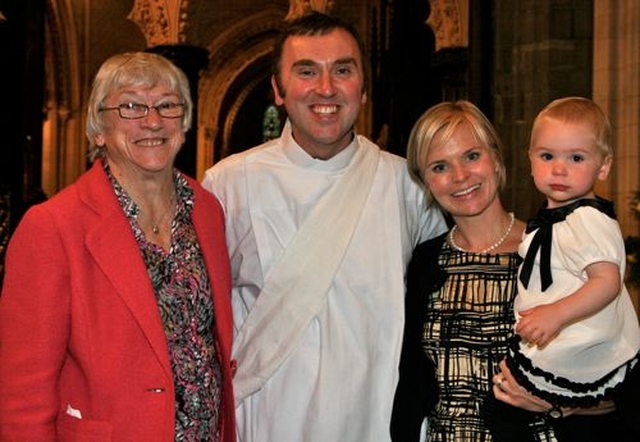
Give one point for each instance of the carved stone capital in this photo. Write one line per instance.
(161, 21)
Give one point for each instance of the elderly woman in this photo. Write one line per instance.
(115, 317)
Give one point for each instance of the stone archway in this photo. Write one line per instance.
(64, 143)
(239, 61)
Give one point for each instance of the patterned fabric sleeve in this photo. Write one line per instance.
(417, 391)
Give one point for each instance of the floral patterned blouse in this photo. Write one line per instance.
(185, 302)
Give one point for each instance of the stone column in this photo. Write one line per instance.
(616, 88)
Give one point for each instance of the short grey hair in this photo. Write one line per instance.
(134, 69)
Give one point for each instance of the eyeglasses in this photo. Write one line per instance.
(133, 111)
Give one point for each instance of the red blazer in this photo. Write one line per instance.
(80, 331)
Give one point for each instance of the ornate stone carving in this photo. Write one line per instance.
(301, 7)
(444, 20)
(161, 21)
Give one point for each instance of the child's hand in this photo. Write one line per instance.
(539, 325)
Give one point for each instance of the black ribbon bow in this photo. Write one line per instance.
(544, 221)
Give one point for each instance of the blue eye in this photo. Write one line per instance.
(473, 156)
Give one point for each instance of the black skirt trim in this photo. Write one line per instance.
(519, 366)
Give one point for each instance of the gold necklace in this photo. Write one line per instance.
(155, 226)
(495, 245)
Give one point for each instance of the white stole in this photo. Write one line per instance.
(297, 286)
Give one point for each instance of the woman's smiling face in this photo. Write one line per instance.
(462, 173)
(148, 144)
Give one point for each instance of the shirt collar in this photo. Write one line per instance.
(298, 156)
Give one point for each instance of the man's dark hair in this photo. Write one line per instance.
(314, 23)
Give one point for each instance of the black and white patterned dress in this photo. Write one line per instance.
(466, 327)
(459, 314)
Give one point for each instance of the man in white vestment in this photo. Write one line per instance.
(320, 226)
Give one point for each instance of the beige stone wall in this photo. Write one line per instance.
(616, 87)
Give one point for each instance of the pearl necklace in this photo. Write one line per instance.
(495, 245)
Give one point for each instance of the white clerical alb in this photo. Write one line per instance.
(338, 382)
(297, 285)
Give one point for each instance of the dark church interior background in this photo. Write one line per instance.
(509, 57)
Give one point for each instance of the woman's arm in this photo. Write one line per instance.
(34, 327)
